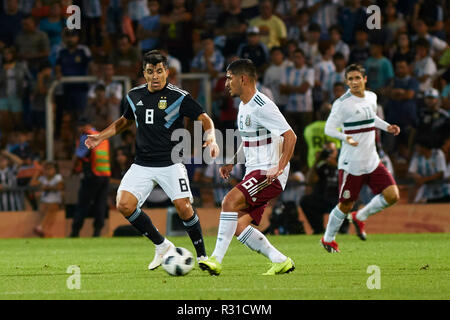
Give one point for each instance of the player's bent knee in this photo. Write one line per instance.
(346, 206)
(184, 208)
(125, 208)
(392, 198)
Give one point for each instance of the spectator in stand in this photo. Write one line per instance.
(297, 83)
(28, 167)
(10, 23)
(126, 59)
(113, 91)
(274, 74)
(324, 13)
(401, 108)
(148, 29)
(128, 138)
(432, 12)
(222, 187)
(9, 200)
(14, 78)
(114, 17)
(73, 60)
(424, 67)
(232, 25)
(434, 122)
(287, 10)
(336, 76)
(177, 30)
(436, 45)
(299, 30)
(255, 50)
(33, 45)
(39, 95)
(360, 52)
(379, 69)
(208, 59)
(427, 168)
(53, 26)
(136, 10)
(445, 94)
(311, 46)
(272, 29)
(41, 9)
(339, 89)
(352, 18)
(91, 19)
(207, 13)
(403, 50)
(340, 46)
(393, 22)
(226, 106)
(120, 165)
(324, 69)
(98, 109)
(50, 185)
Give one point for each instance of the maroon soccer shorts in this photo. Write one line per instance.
(350, 185)
(258, 193)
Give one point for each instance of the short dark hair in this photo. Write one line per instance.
(422, 42)
(154, 57)
(243, 66)
(355, 67)
(276, 48)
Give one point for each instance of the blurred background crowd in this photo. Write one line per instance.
(300, 48)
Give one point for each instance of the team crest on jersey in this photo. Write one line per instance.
(346, 194)
(248, 121)
(162, 104)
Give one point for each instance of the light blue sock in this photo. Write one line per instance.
(334, 223)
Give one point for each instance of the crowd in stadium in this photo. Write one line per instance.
(300, 48)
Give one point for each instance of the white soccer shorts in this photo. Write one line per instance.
(140, 181)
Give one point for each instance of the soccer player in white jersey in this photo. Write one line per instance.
(359, 163)
(268, 142)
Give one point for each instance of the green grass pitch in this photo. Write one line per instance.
(411, 266)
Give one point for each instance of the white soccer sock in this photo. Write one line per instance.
(256, 241)
(375, 205)
(227, 228)
(334, 223)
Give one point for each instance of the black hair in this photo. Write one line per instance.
(355, 67)
(276, 48)
(243, 66)
(422, 42)
(154, 57)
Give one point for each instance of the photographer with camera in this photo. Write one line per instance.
(323, 178)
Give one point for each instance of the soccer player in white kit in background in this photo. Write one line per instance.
(268, 142)
(359, 163)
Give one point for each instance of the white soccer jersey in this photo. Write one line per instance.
(357, 118)
(261, 125)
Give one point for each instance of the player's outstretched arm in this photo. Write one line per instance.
(208, 126)
(114, 128)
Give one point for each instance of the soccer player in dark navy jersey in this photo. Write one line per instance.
(158, 108)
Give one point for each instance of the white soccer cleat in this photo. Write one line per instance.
(160, 252)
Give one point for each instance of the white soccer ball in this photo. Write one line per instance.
(178, 261)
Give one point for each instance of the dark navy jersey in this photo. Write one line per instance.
(157, 115)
